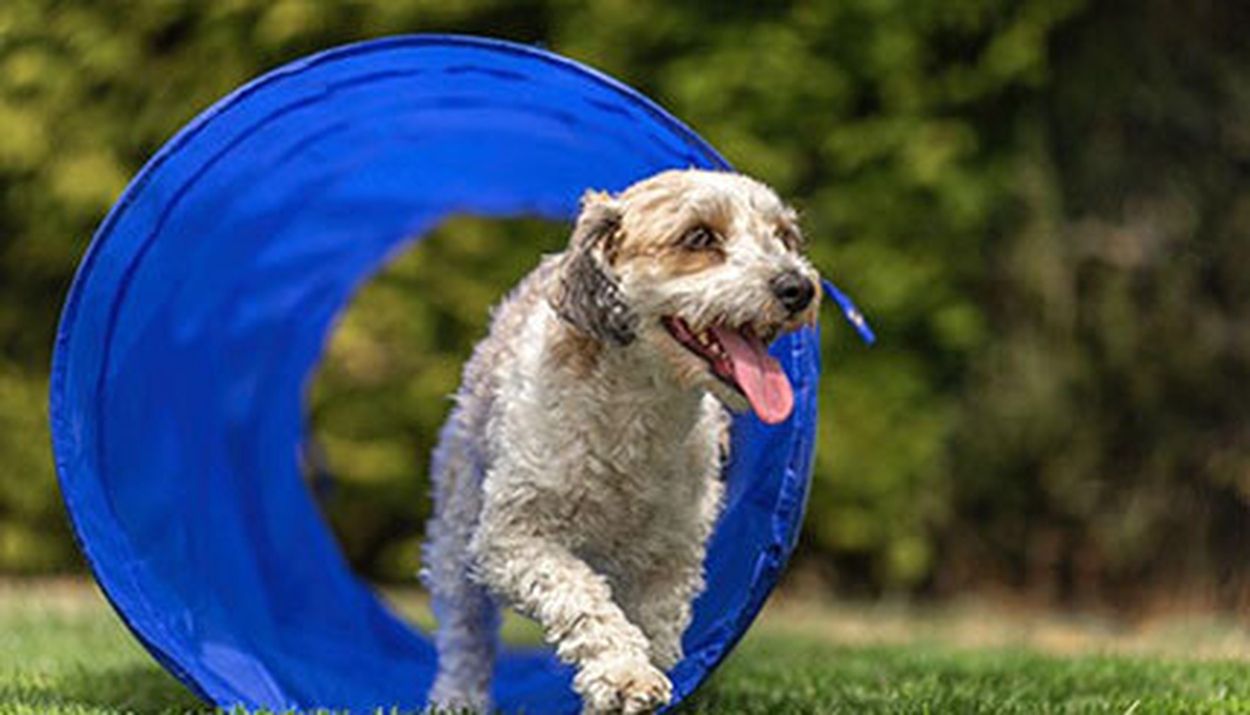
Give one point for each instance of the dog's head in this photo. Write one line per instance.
(699, 270)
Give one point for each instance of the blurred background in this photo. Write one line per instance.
(1043, 207)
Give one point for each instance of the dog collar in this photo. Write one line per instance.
(852, 314)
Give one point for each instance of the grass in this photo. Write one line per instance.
(62, 652)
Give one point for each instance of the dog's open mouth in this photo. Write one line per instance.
(741, 360)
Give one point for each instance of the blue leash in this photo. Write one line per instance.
(853, 316)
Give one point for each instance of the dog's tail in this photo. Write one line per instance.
(468, 618)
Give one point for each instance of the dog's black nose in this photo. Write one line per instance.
(793, 290)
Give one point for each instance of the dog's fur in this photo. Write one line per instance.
(578, 476)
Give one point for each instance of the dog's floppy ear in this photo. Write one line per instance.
(587, 295)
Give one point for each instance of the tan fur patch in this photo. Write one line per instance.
(812, 315)
(574, 350)
(657, 218)
(674, 260)
(680, 262)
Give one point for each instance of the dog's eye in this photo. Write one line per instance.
(699, 238)
(789, 236)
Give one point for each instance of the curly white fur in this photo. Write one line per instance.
(577, 479)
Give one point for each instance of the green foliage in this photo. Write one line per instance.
(1103, 438)
(1039, 203)
(33, 535)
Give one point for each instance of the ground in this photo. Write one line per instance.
(62, 651)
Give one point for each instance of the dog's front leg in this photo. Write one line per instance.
(574, 605)
(661, 604)
(661, 598)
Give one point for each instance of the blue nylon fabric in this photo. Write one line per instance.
(202, 307)
(849, 311)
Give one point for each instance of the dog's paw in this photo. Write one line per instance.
(622, 684)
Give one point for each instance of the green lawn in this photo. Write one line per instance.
(62, 651)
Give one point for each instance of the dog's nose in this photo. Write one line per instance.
(794, 291)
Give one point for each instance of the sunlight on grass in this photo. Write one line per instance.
(62, 652)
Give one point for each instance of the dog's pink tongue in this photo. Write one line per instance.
(760, 376)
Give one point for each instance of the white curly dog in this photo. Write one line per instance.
(577, 479)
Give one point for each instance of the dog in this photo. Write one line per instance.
(578, 476)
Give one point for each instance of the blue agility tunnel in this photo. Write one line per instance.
(202, 307)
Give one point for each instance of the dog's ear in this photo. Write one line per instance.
(587, 295)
